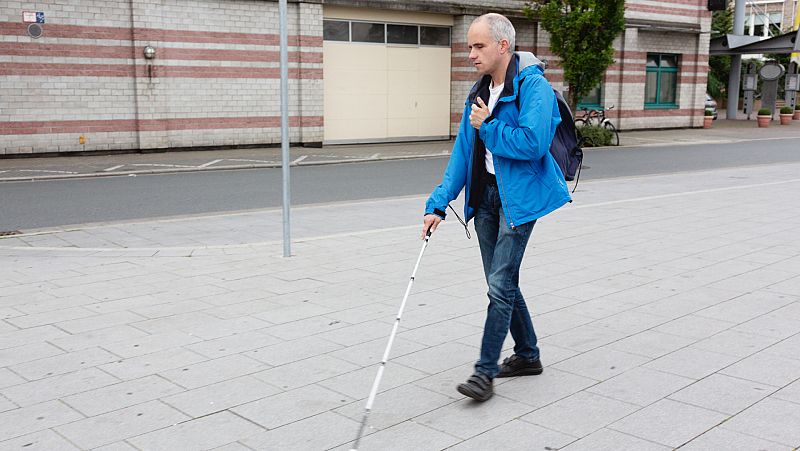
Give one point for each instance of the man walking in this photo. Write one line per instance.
(501, 158)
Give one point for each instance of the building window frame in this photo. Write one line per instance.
(660, 70)
(386, 25)
(594, 103)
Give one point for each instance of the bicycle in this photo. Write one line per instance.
(591, 116)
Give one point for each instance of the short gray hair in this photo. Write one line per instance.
(500, 27)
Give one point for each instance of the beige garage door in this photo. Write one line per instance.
(388, 79)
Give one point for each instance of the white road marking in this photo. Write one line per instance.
(113, 168)
(374, 156)
(248, 161)
(44, 170)
(205, 165)
(164, 165)
(299, 159)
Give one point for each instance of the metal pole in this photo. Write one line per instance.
(284, 43)
(736, 62)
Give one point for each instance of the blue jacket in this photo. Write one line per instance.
(529, 181)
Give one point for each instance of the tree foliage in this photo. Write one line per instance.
(720, 66)
(582, 34)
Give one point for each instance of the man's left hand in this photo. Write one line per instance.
(479, 114)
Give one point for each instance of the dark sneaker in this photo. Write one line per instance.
(520, 366)
(478, 387)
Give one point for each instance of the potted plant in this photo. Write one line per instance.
(708, 118)
(797, 112)
(786, 115)
(764, 117)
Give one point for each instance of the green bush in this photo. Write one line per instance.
(709, 112)
(595, 136)
(786, 110)
(765, 112)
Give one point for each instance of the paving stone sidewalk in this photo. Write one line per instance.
(668, 309)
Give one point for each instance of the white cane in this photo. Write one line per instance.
(378, 376)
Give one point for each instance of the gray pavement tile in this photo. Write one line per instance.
(121, 395)
(746, 307)
(601, 364)
(719, 438)
(580, 414)
(358, 383)
(212, 371)
(630, 322)
(77, 326)
(439, 358)
(405, 436)
(765, 368)
(287, 407)
(789, 286)
(786, 348)
(6, 404)
(329, 430)
(170, 308)
(790, 392)
(51, 388)
(651, 344)
(121, 424)
(735, 343)
(136, 367)
(724, 394)
(37, 417)
(358, 333)
(440, 333)
(233, 344)
(693, 326)
(220, 396)
(26, 353)
(240, 309)
(396, 406)
(27, 336)
(517, 435)
(45, 440)
(610, 440)
(8, 378)
(691, 362)
(200, 433)
(236, 446)
(293, 350)
(585, 338)
(556, 322)
(668, 422)
(7, 312)
(54, 316)
(304, 327)
(147, 344)
(97, 337)
(371, 352)
(640, 386)
(445, 382)
(539, 391)
(304, 372)
(776, 324)
(127, 303)
(467, 418)
(116, 446)
(63, 363)
(596, 308)
(770, 419)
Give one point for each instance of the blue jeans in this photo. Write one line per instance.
(502, 249)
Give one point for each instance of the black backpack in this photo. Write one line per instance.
(565, 148)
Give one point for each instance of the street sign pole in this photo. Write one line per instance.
(284, 44)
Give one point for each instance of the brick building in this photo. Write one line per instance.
(360, 71)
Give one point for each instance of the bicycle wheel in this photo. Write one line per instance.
(614, 133)
(581, 122)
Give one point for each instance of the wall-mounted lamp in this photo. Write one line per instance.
(149, 52)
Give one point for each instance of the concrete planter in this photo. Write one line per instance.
(796, 115)
(707, 121)
(786, 119)
(763, 121)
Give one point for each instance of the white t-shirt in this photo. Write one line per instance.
(494, 94)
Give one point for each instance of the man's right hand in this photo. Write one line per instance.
(429, 222)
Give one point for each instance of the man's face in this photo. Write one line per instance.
(484, 52)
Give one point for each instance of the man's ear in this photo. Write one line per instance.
(504, 46)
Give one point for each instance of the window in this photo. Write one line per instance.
(662, 81)
(382, 33)
(438, 36)
(402, 34)
(368, 32)
(336, 30)
(592, 99)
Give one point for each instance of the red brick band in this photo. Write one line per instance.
(127, 70)
(150, 125)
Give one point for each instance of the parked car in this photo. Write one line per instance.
(711, 104)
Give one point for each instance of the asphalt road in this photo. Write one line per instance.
(38, 204)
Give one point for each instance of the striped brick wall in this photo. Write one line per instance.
(214, 81)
